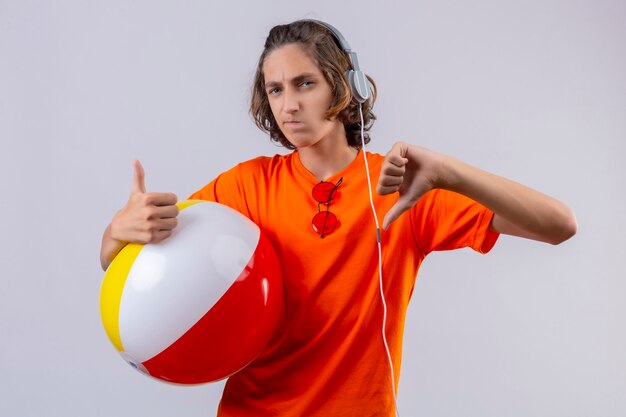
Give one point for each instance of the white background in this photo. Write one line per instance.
(532, 90)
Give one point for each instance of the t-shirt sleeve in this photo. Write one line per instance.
(228, 189)
(445, 220)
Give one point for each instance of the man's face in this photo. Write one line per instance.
(299, 96)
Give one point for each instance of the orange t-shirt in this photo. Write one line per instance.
(328, 357)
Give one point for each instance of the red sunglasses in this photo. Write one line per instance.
(324, 222)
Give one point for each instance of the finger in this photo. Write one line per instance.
(398, 151)
(156, 230)
(166, 224)
(389, 168)
(153, 236)
(165, 212)
(394, 212)
(390, 176)
(405, 202)
(160, 235)
(139, 186)
(153, 214)
(387, 189)
(390, 180)
(159, 199)
(395, 160)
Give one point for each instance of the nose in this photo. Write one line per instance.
(290, 103)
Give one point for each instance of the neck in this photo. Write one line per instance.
(327, 157)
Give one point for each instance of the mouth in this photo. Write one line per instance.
(293, 125)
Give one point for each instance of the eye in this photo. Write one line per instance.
(273, 91)
(307, 83)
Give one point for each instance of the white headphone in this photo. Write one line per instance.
(359, 84)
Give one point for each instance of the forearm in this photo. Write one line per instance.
(519, 210)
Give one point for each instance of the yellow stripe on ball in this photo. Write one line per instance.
(112, 288)
(187, 203)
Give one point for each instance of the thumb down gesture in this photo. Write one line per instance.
(410, 171)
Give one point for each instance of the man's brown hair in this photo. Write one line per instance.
(321, 45)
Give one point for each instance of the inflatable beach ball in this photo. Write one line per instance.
(198, 306)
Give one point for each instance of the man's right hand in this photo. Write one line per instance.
(147, 217)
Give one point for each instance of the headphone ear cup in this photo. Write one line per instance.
(360, 86)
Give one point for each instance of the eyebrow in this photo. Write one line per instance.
(295, 80)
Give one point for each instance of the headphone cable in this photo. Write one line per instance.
(380, 266)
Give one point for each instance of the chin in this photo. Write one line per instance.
(301, 143)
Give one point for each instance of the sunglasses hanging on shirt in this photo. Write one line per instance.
(324, 222)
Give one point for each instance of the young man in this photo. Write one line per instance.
(329, 359)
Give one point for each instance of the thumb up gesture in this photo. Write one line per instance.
(147, 217)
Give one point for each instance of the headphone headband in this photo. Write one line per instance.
(359, 84)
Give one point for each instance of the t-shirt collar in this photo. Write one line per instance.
(350, 170)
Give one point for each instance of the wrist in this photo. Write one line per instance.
(114, 228)
(110, 247)
(449, 173)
